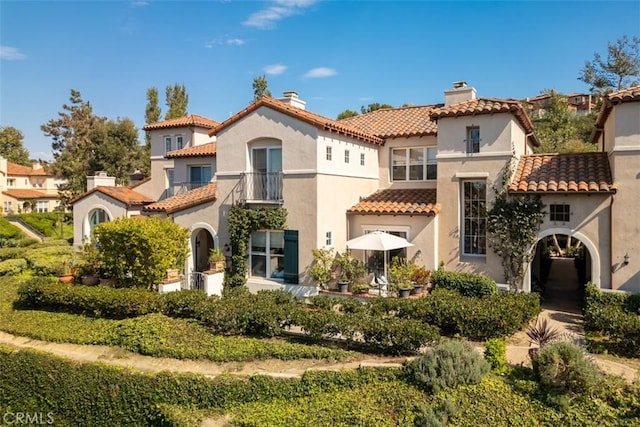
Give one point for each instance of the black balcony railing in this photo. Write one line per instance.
(262, 186)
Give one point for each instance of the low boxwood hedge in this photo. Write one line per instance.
(468, 284)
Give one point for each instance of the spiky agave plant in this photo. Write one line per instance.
(541, 334)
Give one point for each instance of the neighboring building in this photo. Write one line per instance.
(27, 188)
(578, 103)
(426, 173)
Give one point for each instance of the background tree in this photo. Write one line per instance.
(347, 113)
(619, 70)
(11, 146)
(177, 101)
(152, 114)
(260, 88)
(373, 107)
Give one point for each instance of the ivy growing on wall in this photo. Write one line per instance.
(512, 225)
(242, 221)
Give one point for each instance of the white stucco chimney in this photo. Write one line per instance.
(100, 179)
(460, 93)
(290, 97)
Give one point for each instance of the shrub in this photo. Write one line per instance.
(185, 303)
(8, 230)
(495, 353)
(139, 252)
(468, 284)
(11, 253)
(47, 223)
(564, 367)
(12, 267)
(447, 365)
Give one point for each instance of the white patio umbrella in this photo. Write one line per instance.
(378, 241)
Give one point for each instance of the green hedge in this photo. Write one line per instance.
(99, 395)
(48, 223)
(12, 267)
(614, 315)
(468, 284)
(8, 230)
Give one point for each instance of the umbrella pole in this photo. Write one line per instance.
(385, 275)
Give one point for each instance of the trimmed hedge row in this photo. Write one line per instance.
(616, 316)
(468, 284)
(99, 395)
(12, 267)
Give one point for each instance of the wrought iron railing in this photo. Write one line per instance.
(259, 186)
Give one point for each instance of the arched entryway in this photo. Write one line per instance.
(563, 262)
(203, 239)
(97, 215)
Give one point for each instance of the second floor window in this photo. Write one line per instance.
(11, 182)
(346, 156)
(414, 164)
(559, 213)
(473, 139)
(329, 153)
(179, 143)
(167, 144)
(474, 218)
(361, 159)
(199, 174)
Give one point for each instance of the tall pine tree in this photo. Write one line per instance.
(177, 101)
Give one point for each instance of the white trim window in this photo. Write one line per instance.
(11, 182)
(167, 144)
(474, 218)
(473, 139)
(328, 239)
(179, 142)
(8, 208)
(329, 153)
(266, 254)
(414, 164)
(42, 206)
(346, 156)
(362, 157)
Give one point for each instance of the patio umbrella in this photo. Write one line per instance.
(378, 241)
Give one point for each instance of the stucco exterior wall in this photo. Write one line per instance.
(420, 229)
(337, 165)
(181, 167)
(83, 207)
(384, 156)
(497, 135)
(202, 217)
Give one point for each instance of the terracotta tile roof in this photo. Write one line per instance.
(137, 184)
(15, 169)
(418, 201)
(314, 119)
(122, 194)
(631, 94)
(190, 120)
(563, 173)
(395, 122)
(28, 194)
(208, 149)
(206, 193)
(488, 106)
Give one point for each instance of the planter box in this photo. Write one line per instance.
(169, 286)
(213, 282)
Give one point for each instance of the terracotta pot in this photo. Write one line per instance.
(217, 265)
(66, 278)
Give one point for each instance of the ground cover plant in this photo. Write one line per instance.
(48, 223)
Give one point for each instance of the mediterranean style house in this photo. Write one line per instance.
(27, 188)
(425, 173)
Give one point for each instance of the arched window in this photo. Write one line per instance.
(97, 216)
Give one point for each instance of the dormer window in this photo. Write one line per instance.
(179, 143)
(473, 139)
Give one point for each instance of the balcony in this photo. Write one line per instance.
(261, 187)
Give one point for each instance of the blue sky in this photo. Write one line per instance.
(336, 54)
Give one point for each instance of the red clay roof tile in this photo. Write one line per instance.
(563, 173)
(631, 94)
(418, 201)
(395, 122)
(190, 120)
(208, 149)
(195, 197)
(16, 169)
(28, 194)
(314, 119)
(122, 194)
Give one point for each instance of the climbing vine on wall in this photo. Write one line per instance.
(242, 221)
(512, 225)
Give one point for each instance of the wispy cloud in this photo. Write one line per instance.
(275, 69)
(225, 41)
(11, 53)
(276, 10)
(320, 72)
(139, 3)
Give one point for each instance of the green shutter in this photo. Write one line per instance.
(291, 256)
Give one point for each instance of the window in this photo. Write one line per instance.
(11, 182)
(42, 206)
(179, 144)
(346, 156)
(170, 181)
(328, 239)
(8, 208)
(266, 177)
(474, 217)
(559, 213)
(414, 164)
(329, 153)
(199, 174)
(167, 144)
(375, 259)
(361, 159)
(473, 139)
(97, 216)
(266, 254)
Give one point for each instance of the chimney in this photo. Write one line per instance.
(100, 179)
(460, 93)
(290, 97)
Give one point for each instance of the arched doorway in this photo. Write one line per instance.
(563, 262)
(96, 216)
(203, 239)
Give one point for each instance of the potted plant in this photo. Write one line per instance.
(351, 270)
(360, 288)
(322, 269)
(421, 278)
(89, 266)
(402, 270)
(217, 260)
(68, 270)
